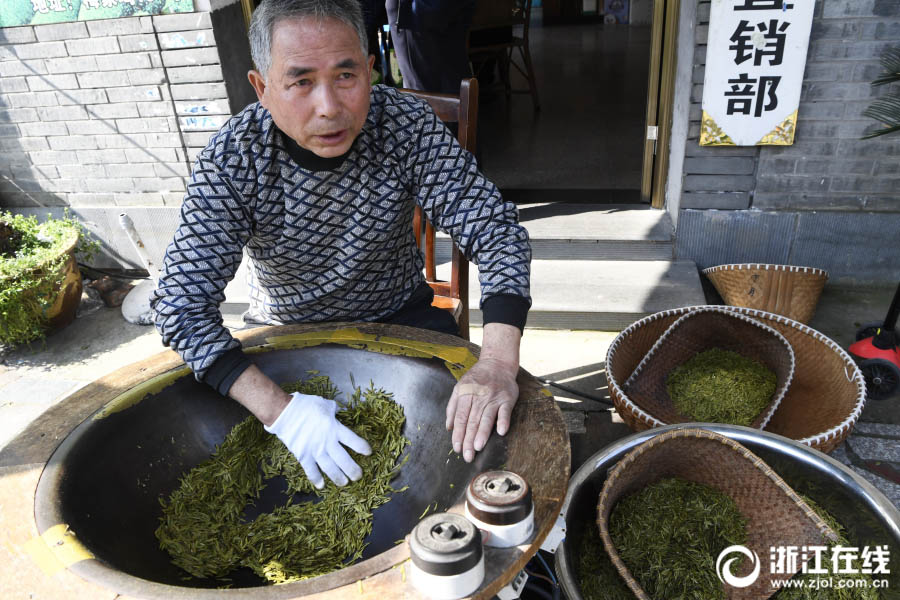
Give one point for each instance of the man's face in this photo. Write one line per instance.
(317, 88)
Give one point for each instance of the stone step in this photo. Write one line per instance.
(580, 231)
(602, 295)
(599, 295)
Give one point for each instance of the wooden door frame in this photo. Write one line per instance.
(247, 6)
(660, 101)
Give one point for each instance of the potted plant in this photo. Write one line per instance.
(40, 284)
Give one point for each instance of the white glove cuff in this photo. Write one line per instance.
(290, 414)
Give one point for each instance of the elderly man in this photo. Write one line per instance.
(318, 182)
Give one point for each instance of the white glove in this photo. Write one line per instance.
(310, 430)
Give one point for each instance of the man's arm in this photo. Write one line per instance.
(306, 424)
(487, 392)
(259, 394)
(204, 254)
(458, 200)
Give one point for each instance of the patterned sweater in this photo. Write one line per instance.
(329, 239)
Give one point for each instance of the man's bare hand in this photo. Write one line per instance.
(487, 393)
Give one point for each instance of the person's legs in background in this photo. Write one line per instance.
(418, 312)
(431, 51)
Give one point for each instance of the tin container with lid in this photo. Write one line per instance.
(499, 502)
(447, 556)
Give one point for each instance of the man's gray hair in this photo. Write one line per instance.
(271, 12)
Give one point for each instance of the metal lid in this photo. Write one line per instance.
(445, 544)
(499, 498)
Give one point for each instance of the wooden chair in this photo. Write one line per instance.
(453, 295)
(511, 15)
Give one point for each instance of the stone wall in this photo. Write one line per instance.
(103, 117)
(813, 202)
(101, 114)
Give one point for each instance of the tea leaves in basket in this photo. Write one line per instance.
(597, 575)
(720, 386)
(669, 534)
(863, 589)
(669, 552)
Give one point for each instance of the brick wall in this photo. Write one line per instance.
(830, 200)
(106, 113)
(828, 167)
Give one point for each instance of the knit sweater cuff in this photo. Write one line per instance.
(225, 371)
(506, 308)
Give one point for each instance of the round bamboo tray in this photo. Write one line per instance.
(781, 289)
(695, 332)
(776, 515)
(820, 408)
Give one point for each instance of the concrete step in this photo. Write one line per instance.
(604, 295)
(594, 267)
(581, 231)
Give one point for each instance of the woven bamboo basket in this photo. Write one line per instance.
(776, 515)
(781, 289)
(697, 331)
(820, 408)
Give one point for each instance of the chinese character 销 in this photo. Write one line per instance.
(744, 48)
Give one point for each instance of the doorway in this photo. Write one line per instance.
(589, 141)
(605, 82)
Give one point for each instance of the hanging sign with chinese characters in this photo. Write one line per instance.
(14, 13)
(755, 59)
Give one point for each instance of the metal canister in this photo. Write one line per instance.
(447, 556)
(500, 502)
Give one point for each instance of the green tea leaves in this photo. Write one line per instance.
(202, 528)
(720, 386)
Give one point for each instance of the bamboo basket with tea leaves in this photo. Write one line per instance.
(819, 409)
(773, 514)
(711, 365)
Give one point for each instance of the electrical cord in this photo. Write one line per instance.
(535, 589)
(547, 568)
(572, 390)
(539, 576)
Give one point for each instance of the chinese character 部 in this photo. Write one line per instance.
(750, 95)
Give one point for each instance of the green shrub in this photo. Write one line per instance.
(32, 256)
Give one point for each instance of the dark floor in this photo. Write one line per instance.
(588, 135)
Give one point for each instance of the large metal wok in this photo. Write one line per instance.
(104, 481)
